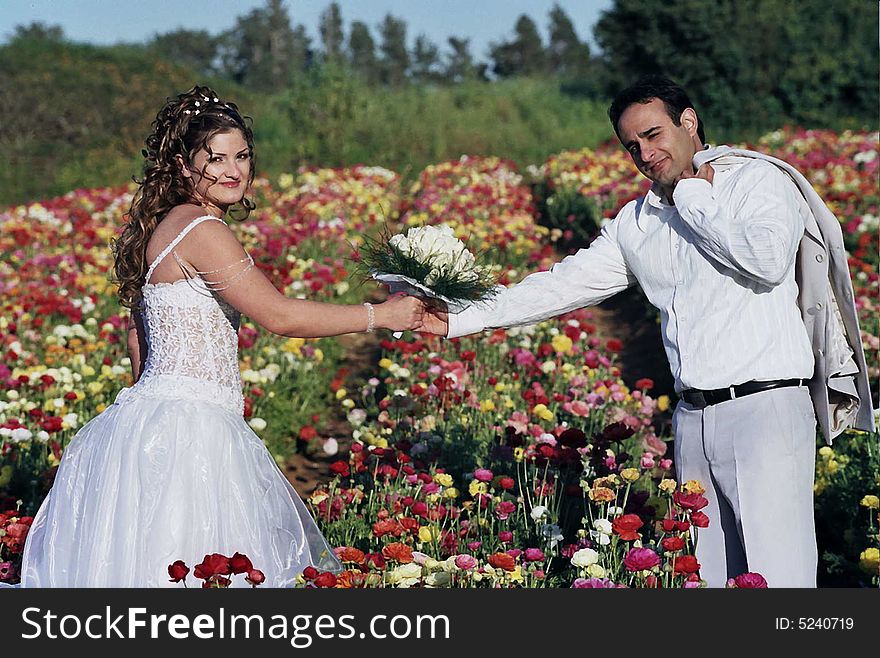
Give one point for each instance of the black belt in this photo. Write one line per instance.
(699, 398)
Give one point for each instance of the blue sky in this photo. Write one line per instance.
(112, 21)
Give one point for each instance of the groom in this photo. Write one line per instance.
(746, 266)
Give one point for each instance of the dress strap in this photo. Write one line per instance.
(176, 240)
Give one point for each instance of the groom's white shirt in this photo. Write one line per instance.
(719, 265)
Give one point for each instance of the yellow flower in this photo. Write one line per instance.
(487, 405)
(663, 402)
(561, 343)
(101, 407)
(826, 452)
(499, 387)
(869, 560)
(519, 453)
(386, 363)
(668, 485)
(5, 475)
(451, 492)
(630, 474)
(477, 487)
(88, 371)
(694, 487)
(427, 534)
(341, 393)
(596, 571)
(542, 412)
(443, 479)
(871, 502)
(95, 387)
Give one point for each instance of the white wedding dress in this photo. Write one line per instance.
(171, 470)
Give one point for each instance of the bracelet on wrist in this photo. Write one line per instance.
(371, 317)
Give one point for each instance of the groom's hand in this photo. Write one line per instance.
(435, 320)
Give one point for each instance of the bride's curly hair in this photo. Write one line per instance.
(183, 127)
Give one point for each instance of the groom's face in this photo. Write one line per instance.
(660, 149)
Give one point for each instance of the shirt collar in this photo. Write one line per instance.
(655, 200)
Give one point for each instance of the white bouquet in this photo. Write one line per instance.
(431, 262)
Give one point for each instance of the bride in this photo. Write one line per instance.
(171, 471)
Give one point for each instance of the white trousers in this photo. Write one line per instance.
(755, 456)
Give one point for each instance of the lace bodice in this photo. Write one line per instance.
(192, 340)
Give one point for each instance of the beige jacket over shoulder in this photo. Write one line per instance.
(839, 387)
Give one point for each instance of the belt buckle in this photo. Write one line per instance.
(698, 399)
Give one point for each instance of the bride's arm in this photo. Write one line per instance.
(215, 254)
(137, 344)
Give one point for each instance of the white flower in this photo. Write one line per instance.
(539, 512)
(71, 419)
(584, 557)
(257, 424)
(603, 526)
(331, 446)
(357, 416)
(42, 436)
(20, 434)
(600, 537)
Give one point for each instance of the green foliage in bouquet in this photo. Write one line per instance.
(444, 265)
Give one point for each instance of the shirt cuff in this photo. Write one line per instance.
(691, 192)
(469, 321)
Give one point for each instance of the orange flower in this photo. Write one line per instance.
(601, 495)
(349, 554)
(397, 552)
(502, 561)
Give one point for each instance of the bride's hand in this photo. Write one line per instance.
(401, 312)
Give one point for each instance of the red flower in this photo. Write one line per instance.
(668, 525)
(645, 383)
(506, 483)
(397, 552)
(178, 571)
(686, 564)
(340, 467)
(502, 561)
(750, 580)
(673, 544)
(310, 573)
(240, 563)
(689, 502)
(212, 565)
(255, 577)
(626, 526)
(614, 345)
(700, 520)
(326, 579)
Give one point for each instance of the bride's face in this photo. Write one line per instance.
(220, 173)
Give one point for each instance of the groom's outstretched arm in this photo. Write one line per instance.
(582, 279)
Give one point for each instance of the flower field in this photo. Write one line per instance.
(523, 458)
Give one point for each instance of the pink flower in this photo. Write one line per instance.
(533, 555)
(474, 545)
(504, 509)
(593, 583)
(483, 475)
(465, 562)
(641, 559)
(647, 461)
(505, 536)
(665, 464)
(579, 408)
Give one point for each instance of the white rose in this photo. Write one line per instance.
(257, 424)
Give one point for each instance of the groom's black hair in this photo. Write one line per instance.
(646, 89)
